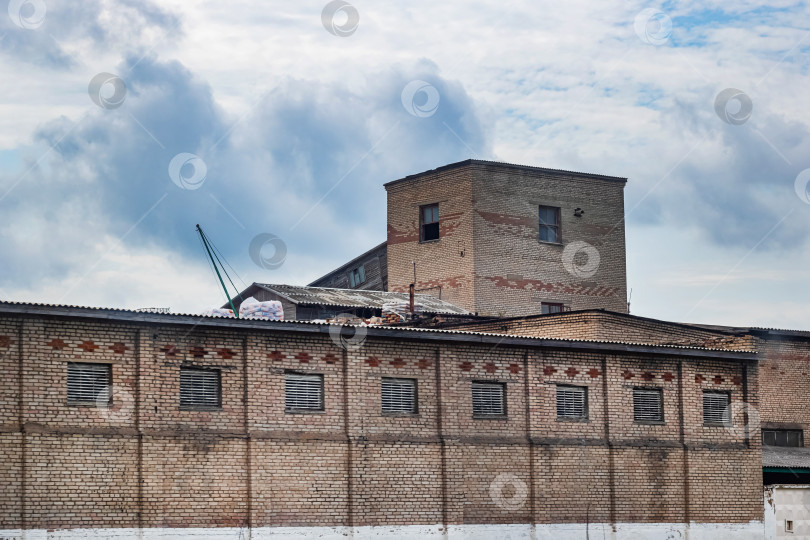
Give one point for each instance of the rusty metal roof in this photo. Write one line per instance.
(354, 298)
(785, 458)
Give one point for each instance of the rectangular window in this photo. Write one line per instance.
(429, 222)
(489, 399)
(88, 383)
(783, 437)
(357, 276)
(200, 387)
(716, 409)
(550, 224)
(572, 402)
(550, 307)
(303, 392)
(648, 405)
(398, 396)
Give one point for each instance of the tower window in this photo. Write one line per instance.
(550, 224)
(429, 222)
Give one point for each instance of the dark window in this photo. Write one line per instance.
(398, 396)
(429, 222)
(783, 437)
(716, 408)
(303, 392)
(550, 307)
(572, 402)
(88, 383)
(550, 224)
(200, 387)
(489, 399)
(648, 405)
(357, 276)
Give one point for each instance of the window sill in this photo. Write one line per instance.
(491, 417)
(91, 404)
(550, 243)
(402, 414)
(715, 424)
(650, 422)
(304, 411)
(202, 408)
(430, 241)
(581, 420)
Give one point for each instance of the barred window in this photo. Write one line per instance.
(88, 383)
(783, 437)
(648, 405)
(489, 399)
(303, 392)
(716, 408)
(398, 396)
(572, 401)
(200, 387)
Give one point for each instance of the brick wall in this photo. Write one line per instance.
(147, 463)
(490, 212)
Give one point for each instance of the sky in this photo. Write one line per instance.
(124, 124)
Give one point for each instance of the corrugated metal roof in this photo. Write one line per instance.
(787, 458)
(33, 308)
(324, 296)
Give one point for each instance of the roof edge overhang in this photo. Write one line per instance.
(121, 315)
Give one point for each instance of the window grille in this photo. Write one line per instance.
(398, 395)
(572, 401)
(86, 383)
(303, 392)
(648, 405)
(488, 399)
(716, 409)
(200, 387)
(783, 437)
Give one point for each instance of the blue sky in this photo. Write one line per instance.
(298, 129)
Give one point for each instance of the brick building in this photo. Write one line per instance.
(501, 239)
(221, 428)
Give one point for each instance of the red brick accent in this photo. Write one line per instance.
(627, 374)
(197, 352)
(227, 354)
(373, 361)
(169, 350)
(718, 379)
(514, 369)
(549, 370)
(330, 358)
(423, 363)
(489, 367)
(303, 357)
(398, 362)
(57, 343)
(668, 377)
(465, 366)
(5, 341)
(572, 371)
(699, 378)
(88, 346)
(119, 348)
(647, 376)
(594, 373)
(276, 356)
(737, 381)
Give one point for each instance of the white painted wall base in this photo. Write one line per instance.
(623, 531)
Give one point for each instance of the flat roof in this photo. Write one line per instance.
(501, 165)
(390, 332)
